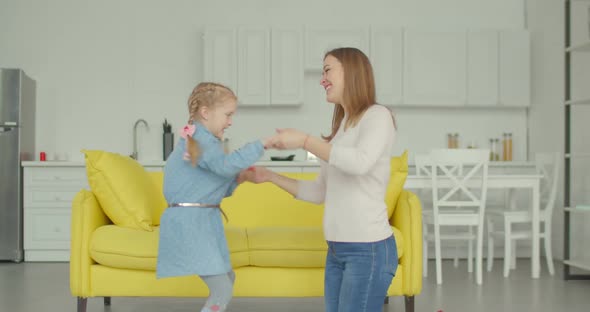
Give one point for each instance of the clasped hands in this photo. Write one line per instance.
(284, 139)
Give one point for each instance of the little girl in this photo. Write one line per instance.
(197, 176)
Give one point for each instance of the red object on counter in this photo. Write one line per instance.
(42, 156)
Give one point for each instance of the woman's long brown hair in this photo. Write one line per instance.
(359, 88)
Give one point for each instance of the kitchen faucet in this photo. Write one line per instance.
(135, 155)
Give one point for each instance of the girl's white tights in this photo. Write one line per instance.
(220, 291)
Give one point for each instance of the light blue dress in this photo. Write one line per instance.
(192, 240)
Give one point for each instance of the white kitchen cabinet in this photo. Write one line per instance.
(47, 202)
(254, 65)
(320, 40)
(482, 68)
(220, 56)
(435, 68)
(386, 60)
(264, 65)
(286, 85)
(515, 68)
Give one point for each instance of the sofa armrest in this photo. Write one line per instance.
(407, 217)
(87, 216)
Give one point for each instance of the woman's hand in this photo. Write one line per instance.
(287, 139)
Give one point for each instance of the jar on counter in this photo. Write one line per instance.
(494, 153)
(450, 141)
(509, 147)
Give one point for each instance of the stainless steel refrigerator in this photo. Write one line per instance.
(17, 143)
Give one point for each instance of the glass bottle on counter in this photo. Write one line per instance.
(509, 147)
(449, 140)
(497, 156)
(456, 140)
(504, 146)
(494, 146)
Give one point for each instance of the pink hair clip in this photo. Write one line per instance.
(186, 132)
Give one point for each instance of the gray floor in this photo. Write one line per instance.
(44, 287)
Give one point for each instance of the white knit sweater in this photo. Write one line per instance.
(353, 182)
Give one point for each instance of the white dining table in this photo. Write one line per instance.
(506, 181)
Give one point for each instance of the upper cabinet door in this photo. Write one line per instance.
(435, 68)
(254, 66)
(220, 57)
(286, 66)
(515, 67)
(482, 67)
(320, 40)
(386, 58)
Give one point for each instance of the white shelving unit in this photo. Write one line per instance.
(578, 210)
(578, 102)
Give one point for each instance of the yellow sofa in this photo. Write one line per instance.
(276, 245)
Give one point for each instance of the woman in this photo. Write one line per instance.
(355, 161)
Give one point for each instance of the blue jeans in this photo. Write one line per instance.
(358, 275)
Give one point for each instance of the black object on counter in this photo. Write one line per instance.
(283, 158)
(167, 140)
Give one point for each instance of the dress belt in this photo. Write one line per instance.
(199, 205)
(195, 205)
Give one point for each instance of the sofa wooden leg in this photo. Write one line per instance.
(409, 303)
(82, 304)
(386, 301)
(107, 301)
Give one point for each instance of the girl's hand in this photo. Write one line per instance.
(268, 142)
(243, 176)
(258, 174)
(288, 139)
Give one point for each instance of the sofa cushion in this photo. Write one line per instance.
(124, 189)
(126, 248)
(265, 204)
(399, 173)
(302, 247)
(158, 179)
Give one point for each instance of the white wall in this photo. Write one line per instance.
(101, 65)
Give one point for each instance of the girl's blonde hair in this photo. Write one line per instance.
(205, 94)
(359, 88)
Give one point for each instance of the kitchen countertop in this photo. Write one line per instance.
(155, 163)
(268, 163)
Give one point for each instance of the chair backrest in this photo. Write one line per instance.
(459, 178)
(547, 164)
(423, 165)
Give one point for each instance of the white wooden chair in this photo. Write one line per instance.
(458, 198)
(503, 224)
(424, 168)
